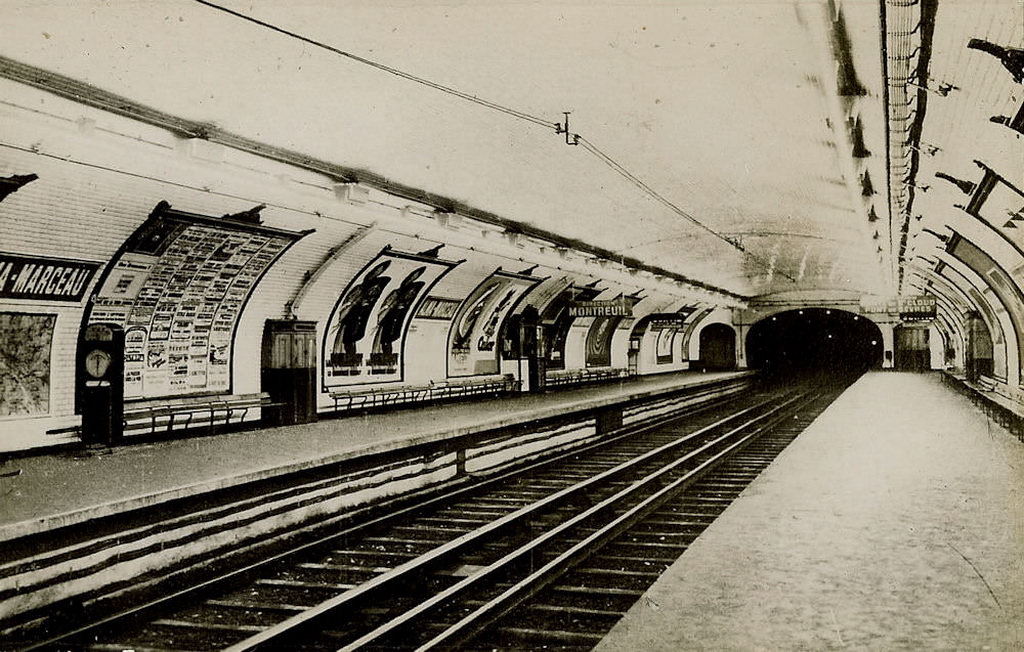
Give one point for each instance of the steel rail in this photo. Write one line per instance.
(529, 549)
(488, 613)
(470, 540)
(468, 486)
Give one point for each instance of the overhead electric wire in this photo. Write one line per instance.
(632, 178)
(548, 124)
(388, 69)
(615, 165)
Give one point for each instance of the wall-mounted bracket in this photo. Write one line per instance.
(966, 187)
(15, 182)
(1011, 58)
(251, 216)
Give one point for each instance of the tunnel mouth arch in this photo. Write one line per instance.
(814, 341)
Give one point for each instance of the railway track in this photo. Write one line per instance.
(565, 545)
(576, 610)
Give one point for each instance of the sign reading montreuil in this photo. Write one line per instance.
(613, 308)
(44, 279)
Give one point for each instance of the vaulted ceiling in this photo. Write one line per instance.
(759, 147)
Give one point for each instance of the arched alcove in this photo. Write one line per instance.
(717, 347)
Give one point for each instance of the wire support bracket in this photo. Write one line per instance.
(563, 128)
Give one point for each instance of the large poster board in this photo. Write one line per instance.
(366, 331)
(663, 344)
(1003, 286)
(664, 326)
(599, 337)
(25, 341)
(667, 326)
(178, 287)
(472, 341)
(558, 320)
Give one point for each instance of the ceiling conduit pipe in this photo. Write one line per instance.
(907, 28)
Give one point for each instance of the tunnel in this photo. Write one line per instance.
(814, 342)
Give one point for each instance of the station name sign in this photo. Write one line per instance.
(613, 308)
(438, 308)
(668, 323)
(44, 279)
(917, 307)
(907, 307)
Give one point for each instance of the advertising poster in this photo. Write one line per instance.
(664, 344)
(366, 330)
(599, 337)
(178, 288)
(473, 343)
(558, 319)
(25, 364)
(665, 327)
(689, 328)
(1003, 286)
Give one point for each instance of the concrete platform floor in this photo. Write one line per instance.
(42, 490)
(895, 522)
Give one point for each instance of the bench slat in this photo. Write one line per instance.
(350, 399)
(181, 413)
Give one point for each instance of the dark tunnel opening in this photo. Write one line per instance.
(814, 342)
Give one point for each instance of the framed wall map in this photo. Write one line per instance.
(25, 342)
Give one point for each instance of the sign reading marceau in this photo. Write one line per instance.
(44, 279)
(613, 308)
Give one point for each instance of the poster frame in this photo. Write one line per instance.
(410, 315)
(513, 309)
(163, 210)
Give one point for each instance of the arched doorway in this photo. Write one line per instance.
(912, 348)
(717, 347)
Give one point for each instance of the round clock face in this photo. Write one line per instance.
(96, 363)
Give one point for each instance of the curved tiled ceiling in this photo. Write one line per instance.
(766, 122)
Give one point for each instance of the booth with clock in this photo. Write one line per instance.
(101, 383)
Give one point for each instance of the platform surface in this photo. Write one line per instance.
(38, 490)
(895, 522)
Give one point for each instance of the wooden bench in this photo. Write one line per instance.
(154, 417)
(192, 412)
(1002, 409)
(374, 397)
(574, 377)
